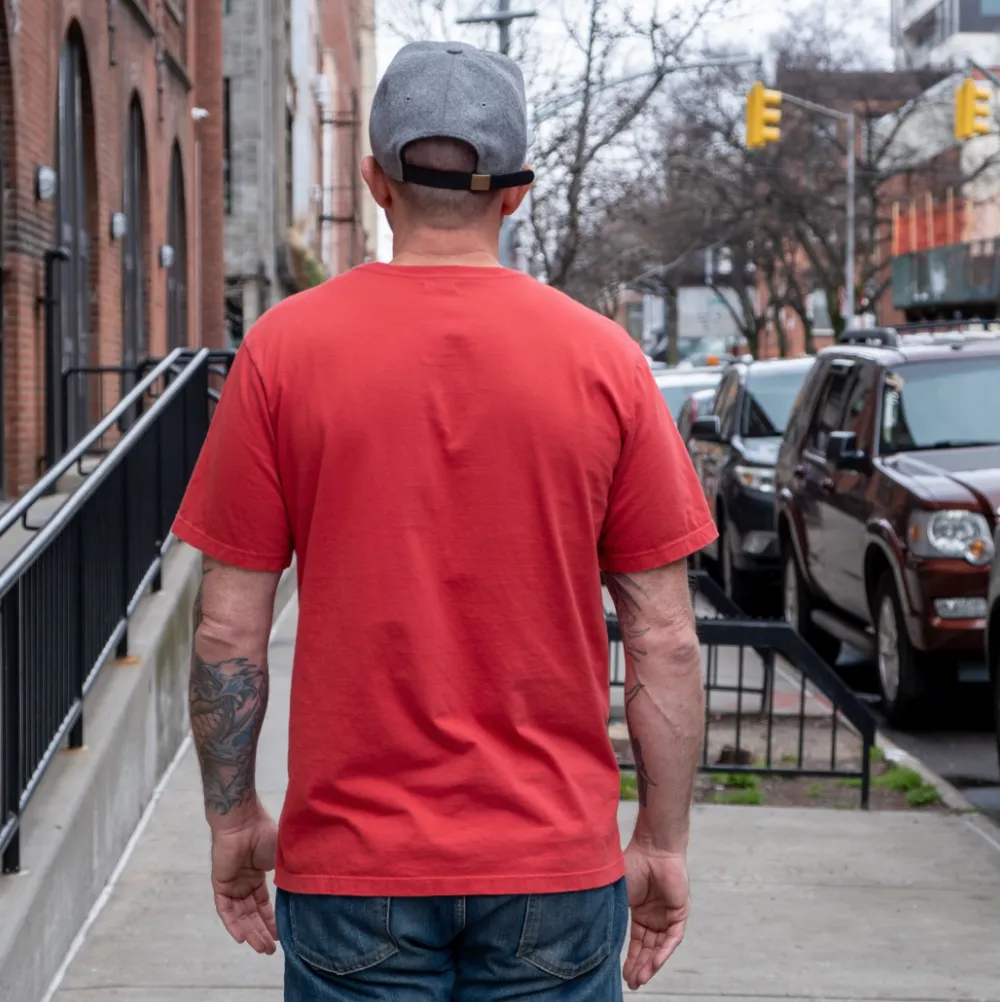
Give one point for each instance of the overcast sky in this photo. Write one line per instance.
(749, 26)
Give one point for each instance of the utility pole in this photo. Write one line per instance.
(502, 17)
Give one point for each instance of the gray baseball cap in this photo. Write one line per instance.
(452, 90)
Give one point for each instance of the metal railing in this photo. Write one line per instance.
(66, 597)
(780, 708)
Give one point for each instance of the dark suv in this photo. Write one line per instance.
(734, 448)
(888, 482)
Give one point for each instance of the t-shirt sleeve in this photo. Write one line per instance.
(234, 509)
(656, 512)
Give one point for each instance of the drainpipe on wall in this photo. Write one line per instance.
(197, 115)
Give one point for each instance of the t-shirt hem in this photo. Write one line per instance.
(225, 553)
(449, 886)
(660, 556)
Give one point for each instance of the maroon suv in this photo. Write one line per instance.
(888, 482)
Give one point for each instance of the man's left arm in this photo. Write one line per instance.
(228, 699)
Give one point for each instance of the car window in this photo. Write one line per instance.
(859, 391)
(768, 400)
(675, 392)
(725, 403)
(830, 410)
(941, 404)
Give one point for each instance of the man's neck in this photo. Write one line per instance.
(437, 248)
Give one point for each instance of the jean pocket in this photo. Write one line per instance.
(340, 935)
(568, 934)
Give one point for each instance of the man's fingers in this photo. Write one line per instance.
(675, 936)
(246, 924)
(266, 910)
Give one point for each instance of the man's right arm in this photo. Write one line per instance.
(664, 707)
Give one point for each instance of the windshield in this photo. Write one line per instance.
(675, 393)
(941, 405)
(768, 401)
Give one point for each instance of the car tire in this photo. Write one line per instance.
(796, 605)
(995, 680)
(735, 583)
(902, 674)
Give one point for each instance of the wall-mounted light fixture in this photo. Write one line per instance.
(167, 256)
(119, 225)
(199, 114)
(46, 183)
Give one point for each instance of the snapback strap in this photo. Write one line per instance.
(455, 180)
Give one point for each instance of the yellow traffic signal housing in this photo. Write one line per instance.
(972, 109)
(763, 116)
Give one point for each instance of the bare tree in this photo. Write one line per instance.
(592, 77)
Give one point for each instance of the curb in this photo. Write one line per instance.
(951, 796)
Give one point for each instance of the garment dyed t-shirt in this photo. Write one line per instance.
(453, 455)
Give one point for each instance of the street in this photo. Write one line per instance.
(961, 743)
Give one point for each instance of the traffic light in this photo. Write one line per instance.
(972, 109)
(763, 116)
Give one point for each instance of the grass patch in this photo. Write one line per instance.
(814, 790)
(876, 754)
(850, 782)
(900, 779)
(789, 758)
(924, 795)
(736, 780)
(745, 797)
(628, 789)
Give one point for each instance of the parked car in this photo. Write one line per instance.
(888, 483)
(993, 636)
(734, 448)
(677, 385)
(700, 402)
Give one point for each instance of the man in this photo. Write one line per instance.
(454, 453)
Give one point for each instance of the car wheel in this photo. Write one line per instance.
(796, 606)
(735, 582)
(902, 677)
(995, 672)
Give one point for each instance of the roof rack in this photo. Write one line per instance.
(875, 337)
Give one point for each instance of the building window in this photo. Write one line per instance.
(68, 414)
(177, 274)
(990, 8)
(135, 343)
(227, 147)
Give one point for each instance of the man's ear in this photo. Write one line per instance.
(513, 197)
(378, 183)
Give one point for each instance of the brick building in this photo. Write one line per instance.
(110, 113)
(298, 78)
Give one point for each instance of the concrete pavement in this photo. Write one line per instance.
(788, 903)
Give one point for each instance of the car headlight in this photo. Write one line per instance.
(961, 534)
(756, 478)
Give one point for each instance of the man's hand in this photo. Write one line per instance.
(660, 901)
(241, 859)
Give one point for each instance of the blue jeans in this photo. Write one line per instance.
(565, 947)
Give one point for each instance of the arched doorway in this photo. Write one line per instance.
(69, 411)
(177, 274)
(135, 336)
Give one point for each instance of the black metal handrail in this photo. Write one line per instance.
(47, 483)
(734, 632)
(66, 597)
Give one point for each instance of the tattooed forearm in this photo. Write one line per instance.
(228, 700)
(627, 595)
(642, 780)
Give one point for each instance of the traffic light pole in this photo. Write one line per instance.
(971, 64)
(850, 275)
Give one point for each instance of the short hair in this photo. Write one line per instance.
(442, 208)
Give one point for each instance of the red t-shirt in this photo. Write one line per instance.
(453, 454)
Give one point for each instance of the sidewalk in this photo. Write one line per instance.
(788, 903)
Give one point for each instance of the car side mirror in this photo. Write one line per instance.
(707, 429)
(842, 451)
